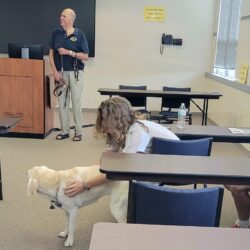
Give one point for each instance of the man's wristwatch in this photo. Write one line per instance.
(71, 53)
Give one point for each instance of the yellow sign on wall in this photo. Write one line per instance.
(154, 14)
(243, 72)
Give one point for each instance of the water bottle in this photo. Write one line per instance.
(181, 116)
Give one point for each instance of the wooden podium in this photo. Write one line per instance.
(24, 92)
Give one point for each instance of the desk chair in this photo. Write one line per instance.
(170, 106)
(136, 101)
(198, 147)
(153, 204)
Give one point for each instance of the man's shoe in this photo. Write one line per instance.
(237, 226)
(77, 138)
(62, 136)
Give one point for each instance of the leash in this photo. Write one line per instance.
(76, 70)
(61, 85)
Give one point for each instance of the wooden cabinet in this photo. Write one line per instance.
(25, 93)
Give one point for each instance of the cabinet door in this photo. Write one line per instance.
(22, 93)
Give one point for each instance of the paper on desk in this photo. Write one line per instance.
(245, 131)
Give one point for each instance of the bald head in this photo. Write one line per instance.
(68, 17)
(71, 13)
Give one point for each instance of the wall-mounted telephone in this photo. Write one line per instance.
(169, 40)
(166, 39)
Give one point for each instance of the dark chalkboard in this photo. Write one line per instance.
(32, 21)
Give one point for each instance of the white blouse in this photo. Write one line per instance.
(138, 138)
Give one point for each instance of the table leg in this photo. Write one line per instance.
(130, 200)
(204, 112)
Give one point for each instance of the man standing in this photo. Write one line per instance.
(68, 50)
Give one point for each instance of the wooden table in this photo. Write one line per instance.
(176, 168)
(219, 134)
(160, 93)
(113, 236)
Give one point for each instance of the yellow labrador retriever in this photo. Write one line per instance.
(51, 184)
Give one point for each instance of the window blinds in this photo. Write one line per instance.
(227, 38)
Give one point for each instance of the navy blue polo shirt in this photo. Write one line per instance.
(76, 42)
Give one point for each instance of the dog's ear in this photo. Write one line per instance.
(32, 186)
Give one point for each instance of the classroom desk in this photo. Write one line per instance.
(219, 134)
(160, 93)
(181, 169)
(114, 236)
(176, 168)
(6, 123)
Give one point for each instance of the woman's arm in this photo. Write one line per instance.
(76, 187)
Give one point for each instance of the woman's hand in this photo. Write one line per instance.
(76, 185)
(74, 188)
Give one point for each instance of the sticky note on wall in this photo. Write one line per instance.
(154, 14)
(243, 73)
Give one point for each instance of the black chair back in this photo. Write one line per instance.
(135, 100)
(175, 102)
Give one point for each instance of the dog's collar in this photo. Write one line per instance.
(52, 203)
(55, 201)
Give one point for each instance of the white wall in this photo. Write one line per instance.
(127, 48)
(232, 109)
(245, 10)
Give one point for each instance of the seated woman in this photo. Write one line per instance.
(116, 123)
(242, 202)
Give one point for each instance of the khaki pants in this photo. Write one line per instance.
(74, 90)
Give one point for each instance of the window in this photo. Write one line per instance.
(227, 38)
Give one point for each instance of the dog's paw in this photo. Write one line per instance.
(63, 234)
(69, 242)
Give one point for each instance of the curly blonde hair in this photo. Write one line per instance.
(114, 118)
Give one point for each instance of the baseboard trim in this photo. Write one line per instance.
(26, 135)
